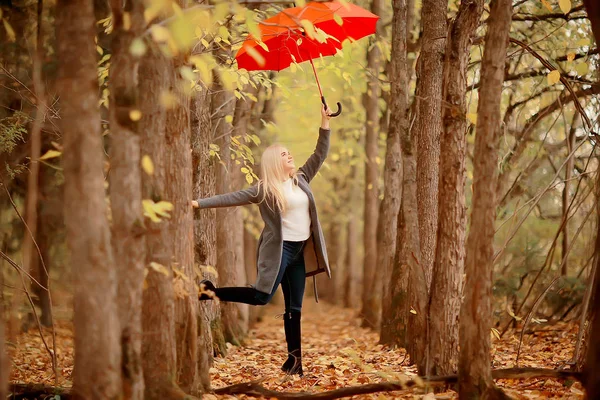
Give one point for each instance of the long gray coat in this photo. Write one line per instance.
(270, 243)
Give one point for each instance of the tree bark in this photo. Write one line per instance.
(371, 286)
(592, 380)
(159, 354)
(566, 197)
(231, 271)
(475, 378)
(427, 138)
(4, 361)
(393, 289)
(209, 327)
(126, 192)
(97, 373)
(353, 273)
(447, 280)
(178, 170)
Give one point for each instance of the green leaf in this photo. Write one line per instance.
(582, 68)
(253, 25)
(338, 19)
(50, 154)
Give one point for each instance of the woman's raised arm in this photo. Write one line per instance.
(239, 198)
(314, 162)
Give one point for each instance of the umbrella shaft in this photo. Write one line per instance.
(316, 77)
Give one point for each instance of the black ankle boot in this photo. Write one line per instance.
(292, 327)
(208, 285)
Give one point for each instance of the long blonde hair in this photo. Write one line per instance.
(272, 177)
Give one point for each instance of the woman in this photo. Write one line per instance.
(291, 236)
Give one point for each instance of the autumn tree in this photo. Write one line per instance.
(394, 294)
(447, 279)
(370, 303)
(126, 190)
(475, 379)
(97, 372)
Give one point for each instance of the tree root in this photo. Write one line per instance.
(257, 390)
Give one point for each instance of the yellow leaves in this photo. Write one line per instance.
(413, 311)
(161, 269)
(553, 77)
(10, 32)
(50, 154)
(565, 6)
(547, 5)
(137, 47)
(472, 117)
(204, 64)
(570, 56)
(308, 27)
(147, 164)
(338, 19)
(253, 25)
(496, 333)
(126, 21)
(135, 115)
(168, 99)
(252, 52)
(153, 210)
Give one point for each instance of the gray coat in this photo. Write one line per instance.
(270, 243)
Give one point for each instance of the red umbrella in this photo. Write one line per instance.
(288, 37)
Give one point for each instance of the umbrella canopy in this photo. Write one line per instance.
(286, 40)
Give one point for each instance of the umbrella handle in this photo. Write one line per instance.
(339, 110)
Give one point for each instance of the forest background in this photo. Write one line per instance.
(95, 210)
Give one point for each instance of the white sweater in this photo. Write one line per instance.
(295, 219)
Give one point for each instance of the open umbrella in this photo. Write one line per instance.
(300, 34)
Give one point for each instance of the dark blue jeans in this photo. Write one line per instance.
(291, 276)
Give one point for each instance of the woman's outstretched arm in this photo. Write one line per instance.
(239, 198)
(314, 162)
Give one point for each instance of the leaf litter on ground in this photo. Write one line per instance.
(337, 352)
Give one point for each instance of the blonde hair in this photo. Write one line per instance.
(272, 177)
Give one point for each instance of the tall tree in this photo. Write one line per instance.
(475, 376)
(231, 271)
(178, 190)
(592, 362)
(126, 190)
(394, 290)
(209, 325)
(371, 286)
(97, 372)
(447, 279)
(159, 354)
(430, 70)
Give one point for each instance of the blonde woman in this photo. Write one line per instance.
(292, 234)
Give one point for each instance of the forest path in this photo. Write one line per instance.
(338, 352)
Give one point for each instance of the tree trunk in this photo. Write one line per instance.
(592, 379)
(4, 361)
(209, 326)
(178, 170)
(231, 271)
(566, 197)
(388, 223)
(126, 193)
(97, 372)
(446, 286)
(353, 278)
(475, 378)
(427, 138)
(371, 286)
(159, 355)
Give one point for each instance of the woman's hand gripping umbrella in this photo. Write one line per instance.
(300, 34)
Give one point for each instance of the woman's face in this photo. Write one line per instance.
(287, 161)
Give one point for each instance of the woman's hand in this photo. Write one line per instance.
(325, 117)
(195, 204)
